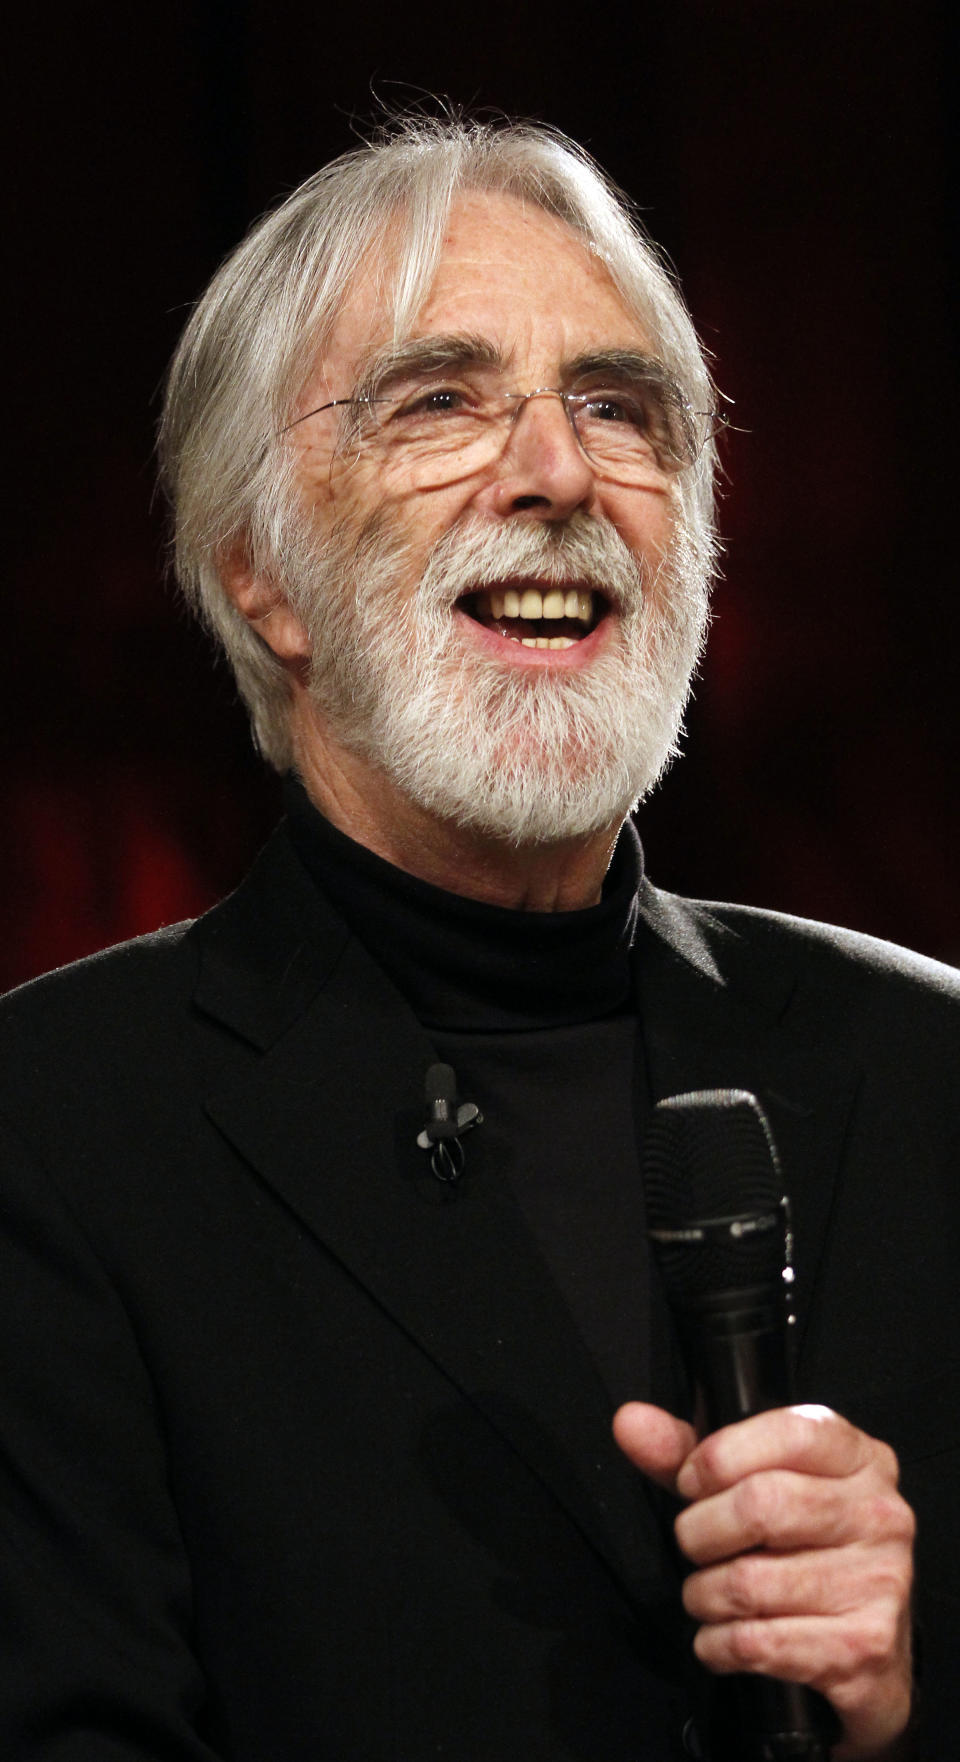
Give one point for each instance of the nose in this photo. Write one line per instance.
(543, 469)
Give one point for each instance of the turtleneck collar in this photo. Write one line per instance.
(466, 965)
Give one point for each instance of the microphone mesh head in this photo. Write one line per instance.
(710, 1157)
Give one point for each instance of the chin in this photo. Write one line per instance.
(526, 754)
(525, 797)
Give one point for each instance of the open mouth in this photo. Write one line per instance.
(555, 618)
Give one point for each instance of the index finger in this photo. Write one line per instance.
(807, 1439)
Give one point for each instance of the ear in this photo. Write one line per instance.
(265, 608)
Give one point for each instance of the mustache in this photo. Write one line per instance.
(583, 551)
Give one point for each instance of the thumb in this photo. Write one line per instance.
(654, 1441)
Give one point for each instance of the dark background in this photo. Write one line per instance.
(795, 161)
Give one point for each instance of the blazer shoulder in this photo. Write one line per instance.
(804, 968)
(125, 980)
(132, 970)
(848, 954)
(154, 1006)
(97, 1037)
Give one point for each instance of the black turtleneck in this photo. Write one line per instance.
(536, 1014)
(464, 964)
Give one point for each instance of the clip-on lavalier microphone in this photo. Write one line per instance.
(446, 1120)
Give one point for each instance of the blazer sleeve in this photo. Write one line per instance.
(95, 1596)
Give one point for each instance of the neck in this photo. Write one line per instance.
(362, 802)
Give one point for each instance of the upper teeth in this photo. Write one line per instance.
(557, 602)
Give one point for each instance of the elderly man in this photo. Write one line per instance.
(306, 1440)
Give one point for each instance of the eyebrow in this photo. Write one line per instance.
(459, 352)
(621, 366)
(428, 354)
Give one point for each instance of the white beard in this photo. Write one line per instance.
(530, 755)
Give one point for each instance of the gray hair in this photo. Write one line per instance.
(252, 342)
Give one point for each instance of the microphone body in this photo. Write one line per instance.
(720, 1229)
(736, 1349)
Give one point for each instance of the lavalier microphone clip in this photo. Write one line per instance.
(447, 1120)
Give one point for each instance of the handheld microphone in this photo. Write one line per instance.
(720, 1227)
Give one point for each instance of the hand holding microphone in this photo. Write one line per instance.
(800, 1539)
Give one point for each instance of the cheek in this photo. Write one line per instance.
(418, 519)
(646, 519)
(314, 472)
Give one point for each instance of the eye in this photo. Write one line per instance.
(615, 406)
(434, 400)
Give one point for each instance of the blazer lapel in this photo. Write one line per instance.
(718, 1009)
(328, 1116)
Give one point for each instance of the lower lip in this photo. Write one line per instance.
(508, 649)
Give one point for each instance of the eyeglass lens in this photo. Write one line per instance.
(438, 434)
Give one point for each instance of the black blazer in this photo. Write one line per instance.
(301, 1455)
